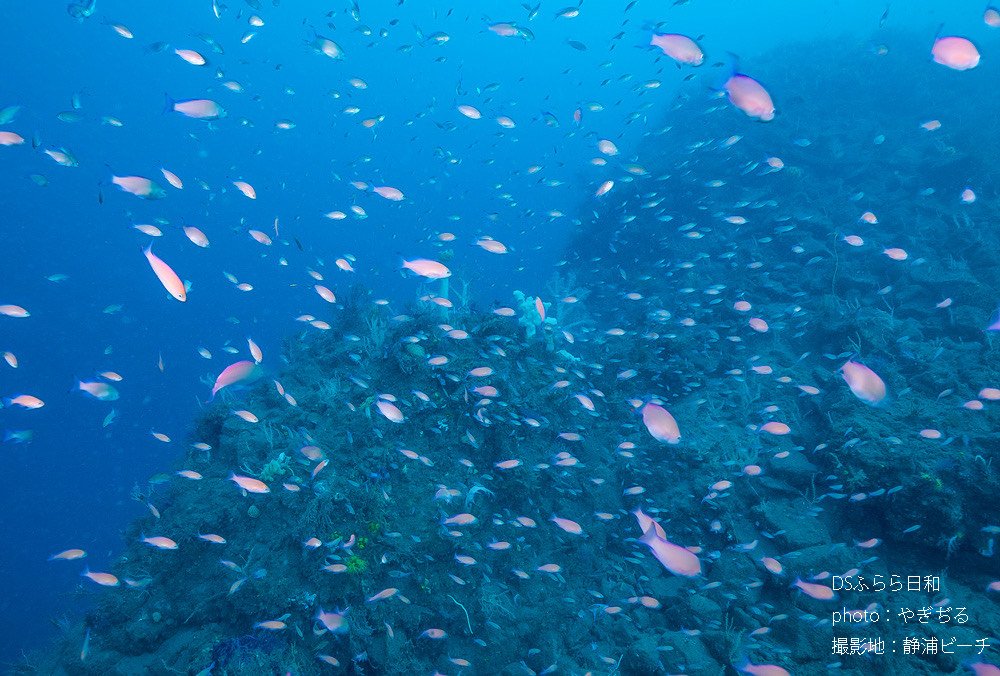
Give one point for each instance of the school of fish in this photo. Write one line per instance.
(727, 399)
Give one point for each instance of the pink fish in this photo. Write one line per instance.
(199, 109)
(159, 542)
(749, 96)
(23, 400)
(748, 667)
(660, 424)
(427, 268)
(139, 186)
(680, 48)
(197, 237)
(389, 410)
(776, 428)
(335, 622)
(389, 193)
(955, 52)
(241, 371)
(817, 591)
(258, 357)
(271, 625)
(68, 555)
(504, 29)
(540, 308)
(674, 558)
(250, 485)
(491, 245)
(982, 668)
(168, 278)
(464, 519)
(98, 390)
(571, 527)
(325, 293)
(172, 178)
(9, 138)
(864, 383)
(645, 521)
(14, 311)
(382, 595)
(245, 415)
(103, 579)
(772, 565)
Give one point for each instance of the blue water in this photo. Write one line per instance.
(70, 486)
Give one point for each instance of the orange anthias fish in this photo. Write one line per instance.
(680, 48)
(68, 555)
(749, 96)
(674, 558)
(864, 383)
(249, 484)
(955, 53)
(159, 542)
(427, 268)
(168, 278)
(660, 424)
(23, 400)
(238, 372)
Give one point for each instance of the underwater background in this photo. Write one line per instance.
(499, 338)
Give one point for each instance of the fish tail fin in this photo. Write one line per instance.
(729, 69)
(103, 182)
(169, 105)
(741, 663)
